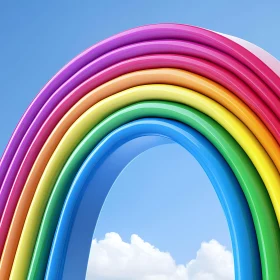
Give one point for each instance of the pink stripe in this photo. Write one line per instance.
(191, 64)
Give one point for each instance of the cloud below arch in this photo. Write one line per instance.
(112, 258)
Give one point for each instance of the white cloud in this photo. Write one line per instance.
(114, 259)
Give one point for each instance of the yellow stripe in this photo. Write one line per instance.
(98, 112)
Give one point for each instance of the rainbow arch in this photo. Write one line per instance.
(216, 95)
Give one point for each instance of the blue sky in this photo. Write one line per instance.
(37, 39)
(170, 203)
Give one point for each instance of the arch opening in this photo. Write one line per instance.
(162, 202)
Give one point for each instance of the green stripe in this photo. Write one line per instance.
(264, 218)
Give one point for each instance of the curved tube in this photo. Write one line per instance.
(247, 74)
(263, 55)
(166, 32)
(28, 151)
(173, 77)
(168, 76)
(93, 182)
(260, 205)
(240, 132)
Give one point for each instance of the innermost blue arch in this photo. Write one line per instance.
(71, 245)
